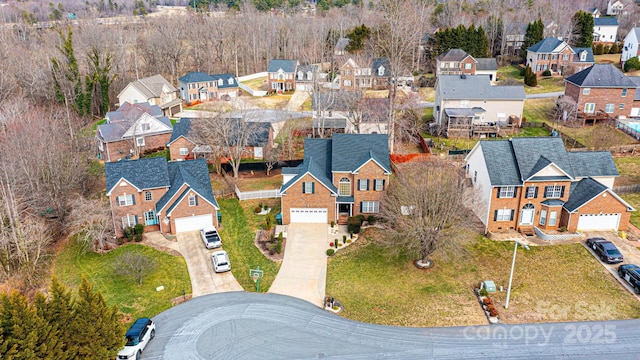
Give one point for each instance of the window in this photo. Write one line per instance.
(220, 82)
(609, 108)
(148, 196)
(565, 57)
(475, 176)
(621, 107)
(507, 192)
(150, 218)
(443, 64)
(347, 82)
(532, 192)
(464, 103)
(184, 151)
(193, 200)
(589, 107)
(543, 217)
(381, 71)
(586, 91)
(369, 206)
(554, 191)
(145, 126)
(363, 184)
(583, 56)
(274, 86)
(552, 218)
(503, 215)
(468, 66)
(125, 200)
(140, 141)
(624, 92)
(378, 184)
(307, 187)
(129, 220)
(344, 187)
(230, 81)
(299, 75)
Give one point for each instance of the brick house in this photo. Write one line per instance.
(458, 62)
(343, 176)
(376, 75)
(534, 184)
(155, 90)
(348, 112)
(132, 130)
(170, 197)
(281, 75)
(183, 144)
(601, 89)
(557, 56)
(204, 87)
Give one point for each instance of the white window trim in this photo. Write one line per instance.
(378, 184)
(504, 215)
(552, 190)
(125, 200)
(370, 207)
(184, 151)
(192, 200)
(128, 220)
(543, 217)
(531, 192)
(553, 218)
(507, 192)
(140, 141)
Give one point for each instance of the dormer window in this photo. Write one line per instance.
(309, 75)
(300, 75)
(381, 71)
(583, 56)
(230, 81)
(220, 82)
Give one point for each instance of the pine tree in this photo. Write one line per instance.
(93, 316)
(534, 34)
(67, 71)
(530, 78)
(582, 34)
(58, 311)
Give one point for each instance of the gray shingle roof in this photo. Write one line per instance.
(115, 130)
(601, 75)
(375, 65)
(288, 66)
(330, 123)
(592, 163)
(181, 128)
(588, 59)
(147, 173)
(128, 111)
(487, 64)
(195, 174)
(636, 80)
(334, 100)
(193, 77)
(528, 152)
(475, 87)
(605, 21)
(501, 162)
(453, 55)
(225, 81)
(545, 45)
(582, 192)
(152, 86)
(342, 44)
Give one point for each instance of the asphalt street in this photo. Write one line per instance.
(241, 325)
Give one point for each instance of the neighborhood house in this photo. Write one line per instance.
(281, 75)
(170, 197)
(340, 177)
(558, 57)
(155, 90)
(199, 86)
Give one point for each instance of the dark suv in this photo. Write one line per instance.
(631, 274)
(605, 250)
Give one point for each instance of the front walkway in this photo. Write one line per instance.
(303, 273)
(297, 99)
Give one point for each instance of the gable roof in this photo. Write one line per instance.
(601, 75)
(341, 153)
(196, 77)
(511, 162)
(193, 173)
(636, 80)
(152, 86)
(588, 59)
(341, 44)
(586, 190)
(635, 31)
(605, 21)
(384, 62)
(454, 55)
(475, 87)
(341, 100)
(486, 64)
(117, 130)
(225, 80)
(128, 111)
(149, 173)
(546, 45)
(181, 129)
(288, 66)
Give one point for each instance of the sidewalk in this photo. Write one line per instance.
(297, 99)
(156, 240)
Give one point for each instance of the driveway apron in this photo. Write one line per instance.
(303, 273)
(203, 279)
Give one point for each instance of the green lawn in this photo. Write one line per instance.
(257, 84)
(544, 84)
(160, 153)
(510, 71)
(532, 132)
(238, 232)
(71, 264)
(633, 200)
(629, 170)
(261, 183)
(537, 110)
(551, 283)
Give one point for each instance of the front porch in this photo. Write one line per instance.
(344, 209)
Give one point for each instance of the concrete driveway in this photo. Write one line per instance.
(204, 280)
(303, 273)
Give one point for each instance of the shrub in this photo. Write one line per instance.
(348, 241)
(260, 205)
(530, 78)
(339, 245)
(330, 252)
(333, 223)
(272, 238)
(487, 301)
(331, 244)
(354, 223)
(371, 219)
(614, 49)
(280, 236)
(493, 312)
(257, 210)
(344, 239)
(361, 217)
(279, 246)
(269, 221)
(483, 292)
(128, 232)
(138, 229)
(632, 64)
(546, 73)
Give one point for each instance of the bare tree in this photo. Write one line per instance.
(91, 220)
(423, 210)
(565, 112)
(271, 157)
(134, 265)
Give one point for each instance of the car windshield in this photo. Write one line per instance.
(132, 341)
(613, 252)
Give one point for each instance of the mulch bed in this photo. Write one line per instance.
(263, 240)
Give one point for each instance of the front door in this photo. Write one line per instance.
(344, 209)
(526, 216)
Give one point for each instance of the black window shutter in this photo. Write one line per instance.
(535, 196)
(133, 199)
(515, 192)
(303, 187)
(360, 206)
(359, 184)
(495, 215)
(136, 218)
(562, 191)
(512, 212)
(313, 187)
(118, 200)
(382, 184)
(498, 193)
(546, 188)
(367, 184)
(196, 200)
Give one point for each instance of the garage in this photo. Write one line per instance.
(309, 215)
(598, 222)
(193, 223)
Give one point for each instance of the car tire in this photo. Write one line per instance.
(636, 289)
(138, 355)
(602, 258)
(153, 334)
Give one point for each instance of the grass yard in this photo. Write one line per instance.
(634, 200)
(510, 71)
(533, 131)
(427, 94)
(277, 101)
(551, 283)
(257, 83)
(239, 226)
(260, 183)
(629, 170)
(72, 263)
(544, 84)
(537, 110)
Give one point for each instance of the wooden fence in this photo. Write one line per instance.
(259, 194)
(626, 189)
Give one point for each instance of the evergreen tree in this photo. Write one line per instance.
(93, 316)
(632, 64)
(534, 34)
(68, 86)
(530, 78)
(582, 34)
(58, 311)
(357, 38)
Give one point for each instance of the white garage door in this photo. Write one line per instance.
(598, 222)
(308, 215)
(193, 223)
